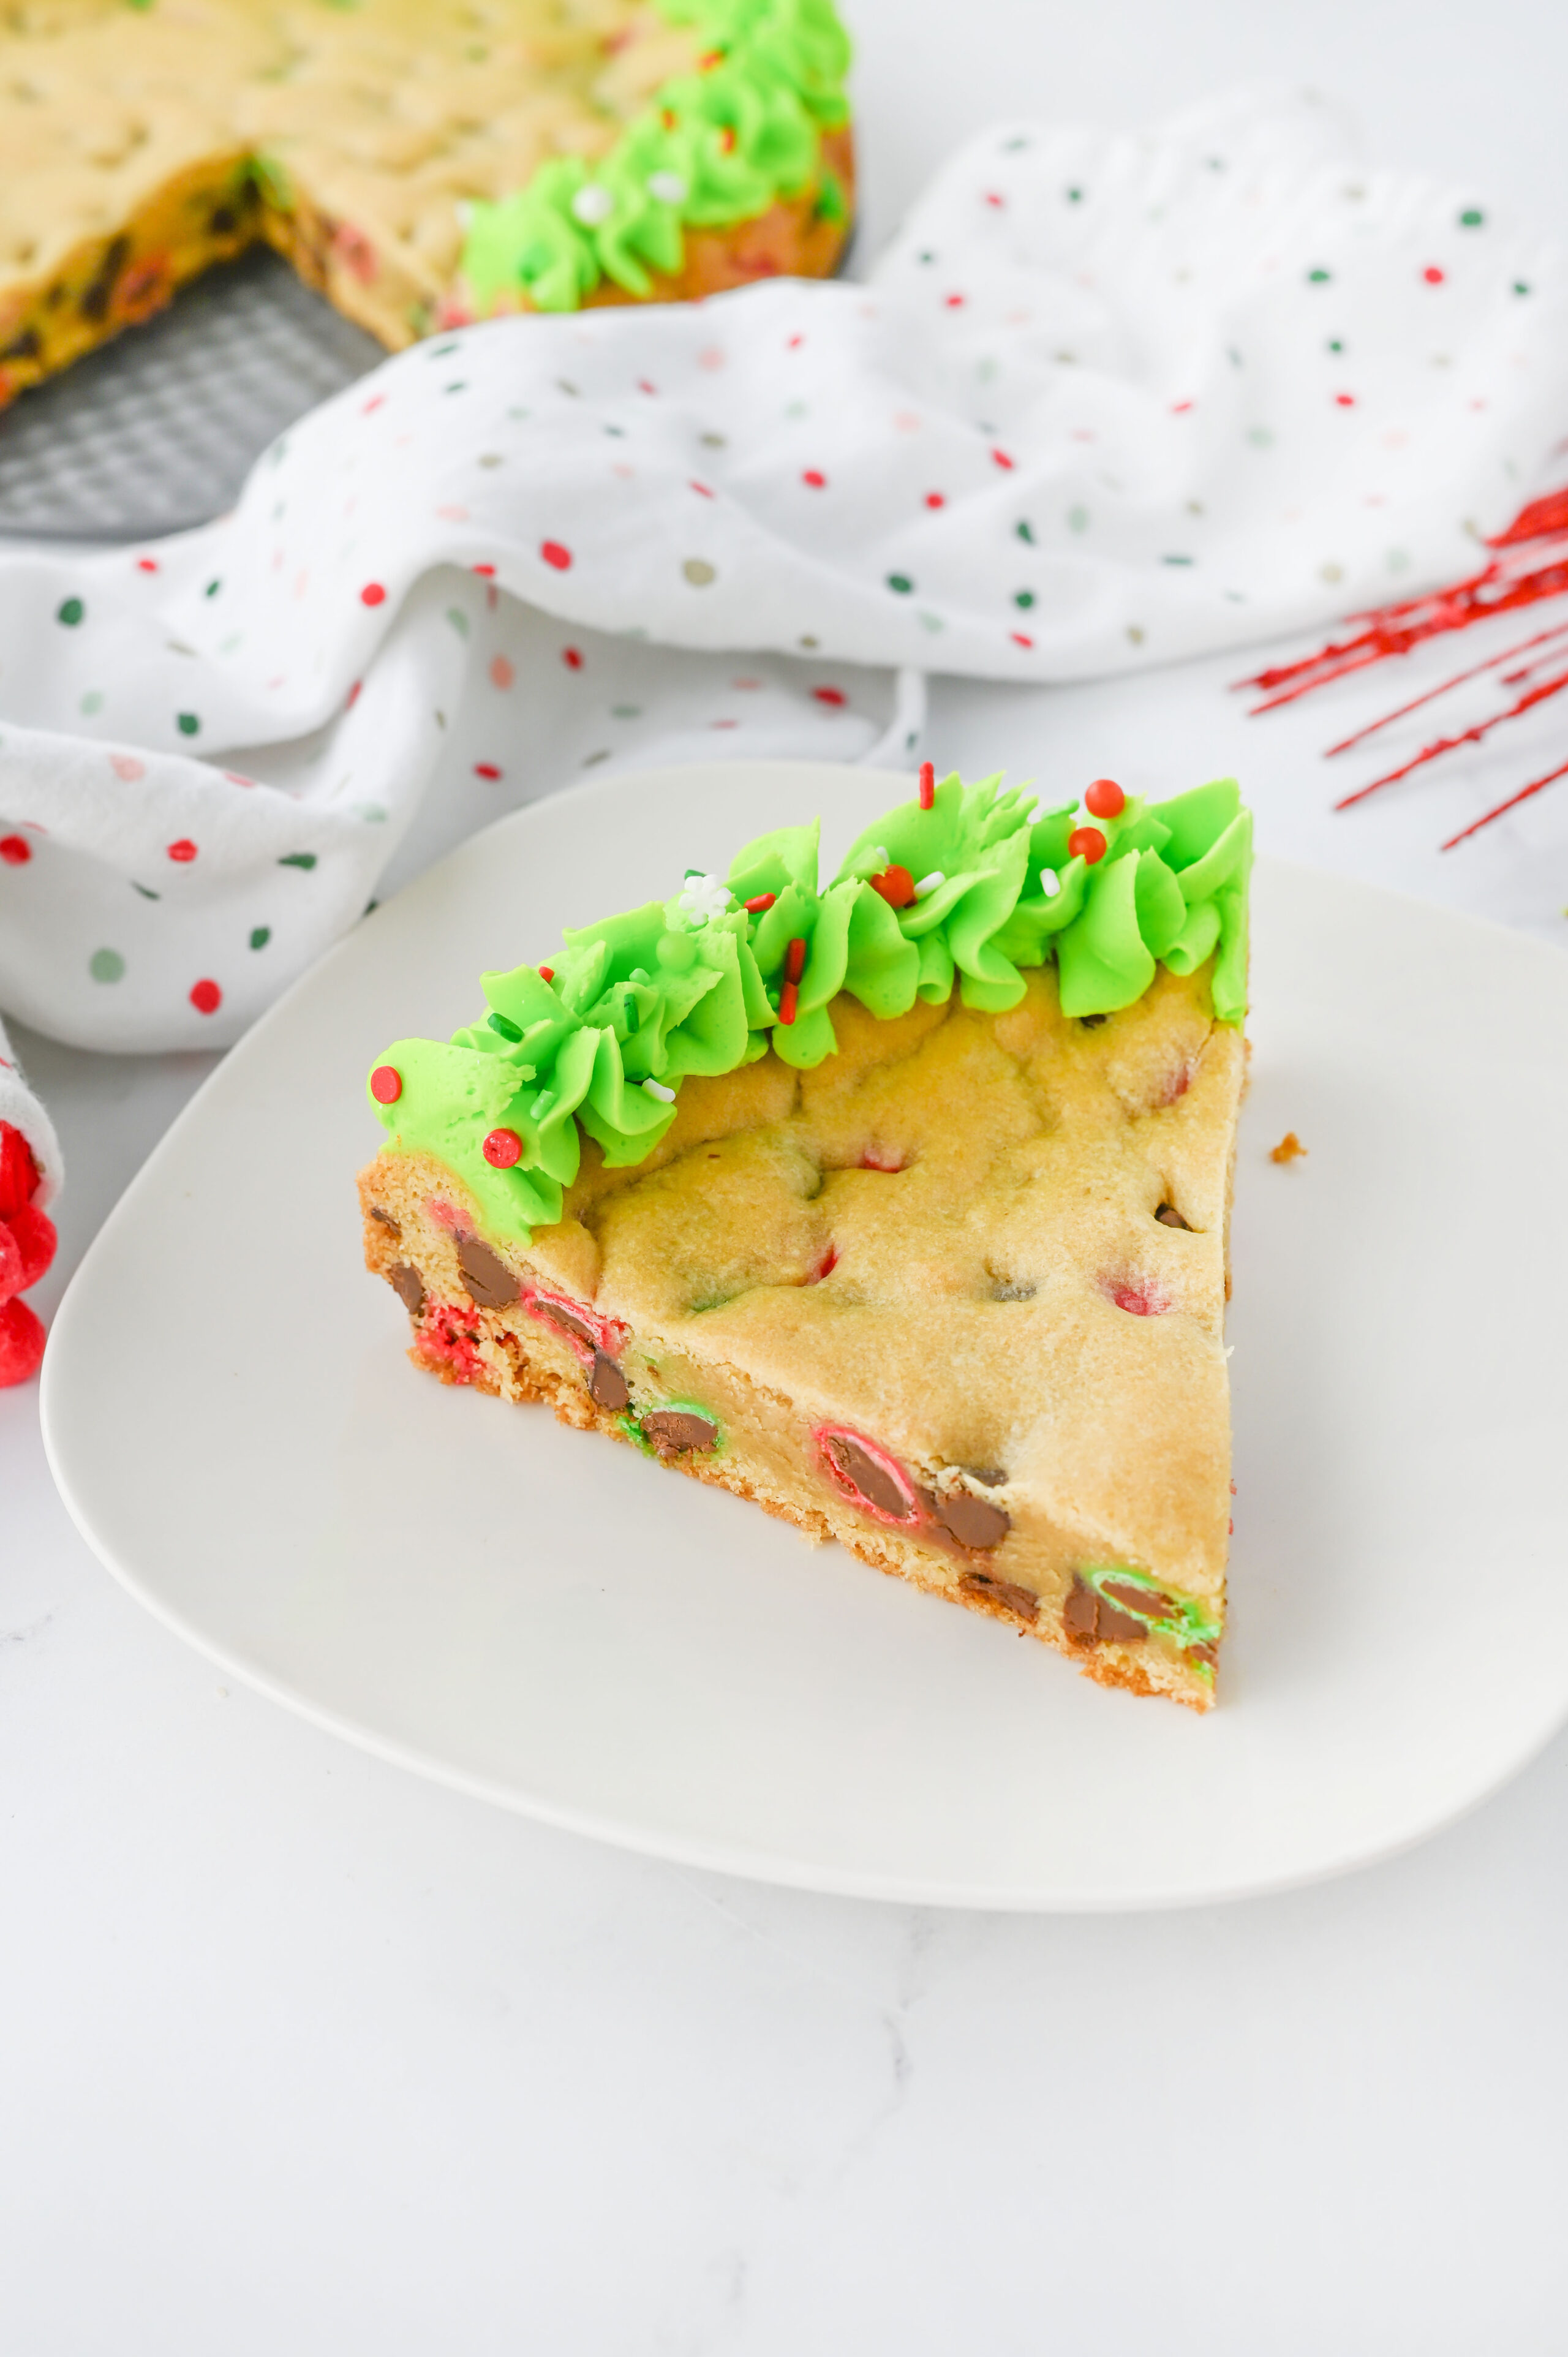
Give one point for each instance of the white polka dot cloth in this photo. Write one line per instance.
(1108, 401)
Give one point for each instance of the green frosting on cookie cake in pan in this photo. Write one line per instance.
(970, 892)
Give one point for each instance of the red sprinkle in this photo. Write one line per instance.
(487, 571)
(935, 499)
(554, 554)
(182, 850)
(1086, 843)
(20, 1176)
(21, 1343)
(573, 657)
(206, 998)
(927, 784)
(386, 1084)
(146, 564)
(502, 1149)
(764, 900)
(373, 594)
(486, 770)
(896, 886)
(1105, 799)
(1001, 459)
(788, 999)
(834, 695)
(726, 141)
(15, 850)
(1433, 276)
(546, 973)
(795, 960)
(818, 482)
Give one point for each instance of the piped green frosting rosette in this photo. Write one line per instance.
(695, 984)
(713, 148)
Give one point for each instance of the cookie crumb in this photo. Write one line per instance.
(1288, 1148)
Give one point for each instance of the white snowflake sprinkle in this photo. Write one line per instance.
(704, 898)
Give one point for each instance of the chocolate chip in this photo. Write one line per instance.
(1169, 1217)
(25, 347)
(1209, 1653)
(1088, 1617)
(487, 1276)
(991, 1476)
(873, 1481)
(222, 221)
(385, 1219)
(94, 300)
(606, 1384)
(1092, 1022)
(563, 1318)
(408, 1286)
(1021, 1600)
(1147, 1600)
(973, 1521)
(676, 1429)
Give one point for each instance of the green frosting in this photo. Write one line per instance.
(1189, 1623)
(694, 983)
(713, 148)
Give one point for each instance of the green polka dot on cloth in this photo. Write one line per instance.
(901, 583)
(106, 965)
(260, 936)
(187, 723)
(69, 612)
(1472, 217)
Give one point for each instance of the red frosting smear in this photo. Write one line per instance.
(445, 1334)
(1139, 1296)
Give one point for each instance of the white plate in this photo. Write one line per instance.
(556, 1623)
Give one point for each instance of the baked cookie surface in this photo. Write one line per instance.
(420, 162)
(946, 1282)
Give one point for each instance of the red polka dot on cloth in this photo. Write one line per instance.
(373, 594)
(183, 850)
(206, 998)
(15, 850)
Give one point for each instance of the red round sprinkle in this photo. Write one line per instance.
(1105, 799)
(554, 554)
(502, 1149)
(486, 770)
(573, 657)
(896, 886)
(546, 973)
(206, 998)
(373, 594)
(386, 1084)
(935, 499)
(1433, 276)
(834, 695)
(788, 999)
(927, 784)
(15, 850)
(21, 1343)
(182, 850)
(1086, 843)
(764, 900)
(818, 482)
(795, 960)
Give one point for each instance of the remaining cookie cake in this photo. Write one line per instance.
(421, 162)
(898, 1206)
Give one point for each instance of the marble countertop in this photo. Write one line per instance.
(304, 2054)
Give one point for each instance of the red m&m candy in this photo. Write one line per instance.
(1105, 799)
(386, 1084)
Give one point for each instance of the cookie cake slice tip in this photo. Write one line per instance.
(897, 1205)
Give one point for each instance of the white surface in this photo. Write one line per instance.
(545, 1622)
(304, 2053)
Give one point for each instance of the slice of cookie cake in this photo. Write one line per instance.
(898, 1206)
